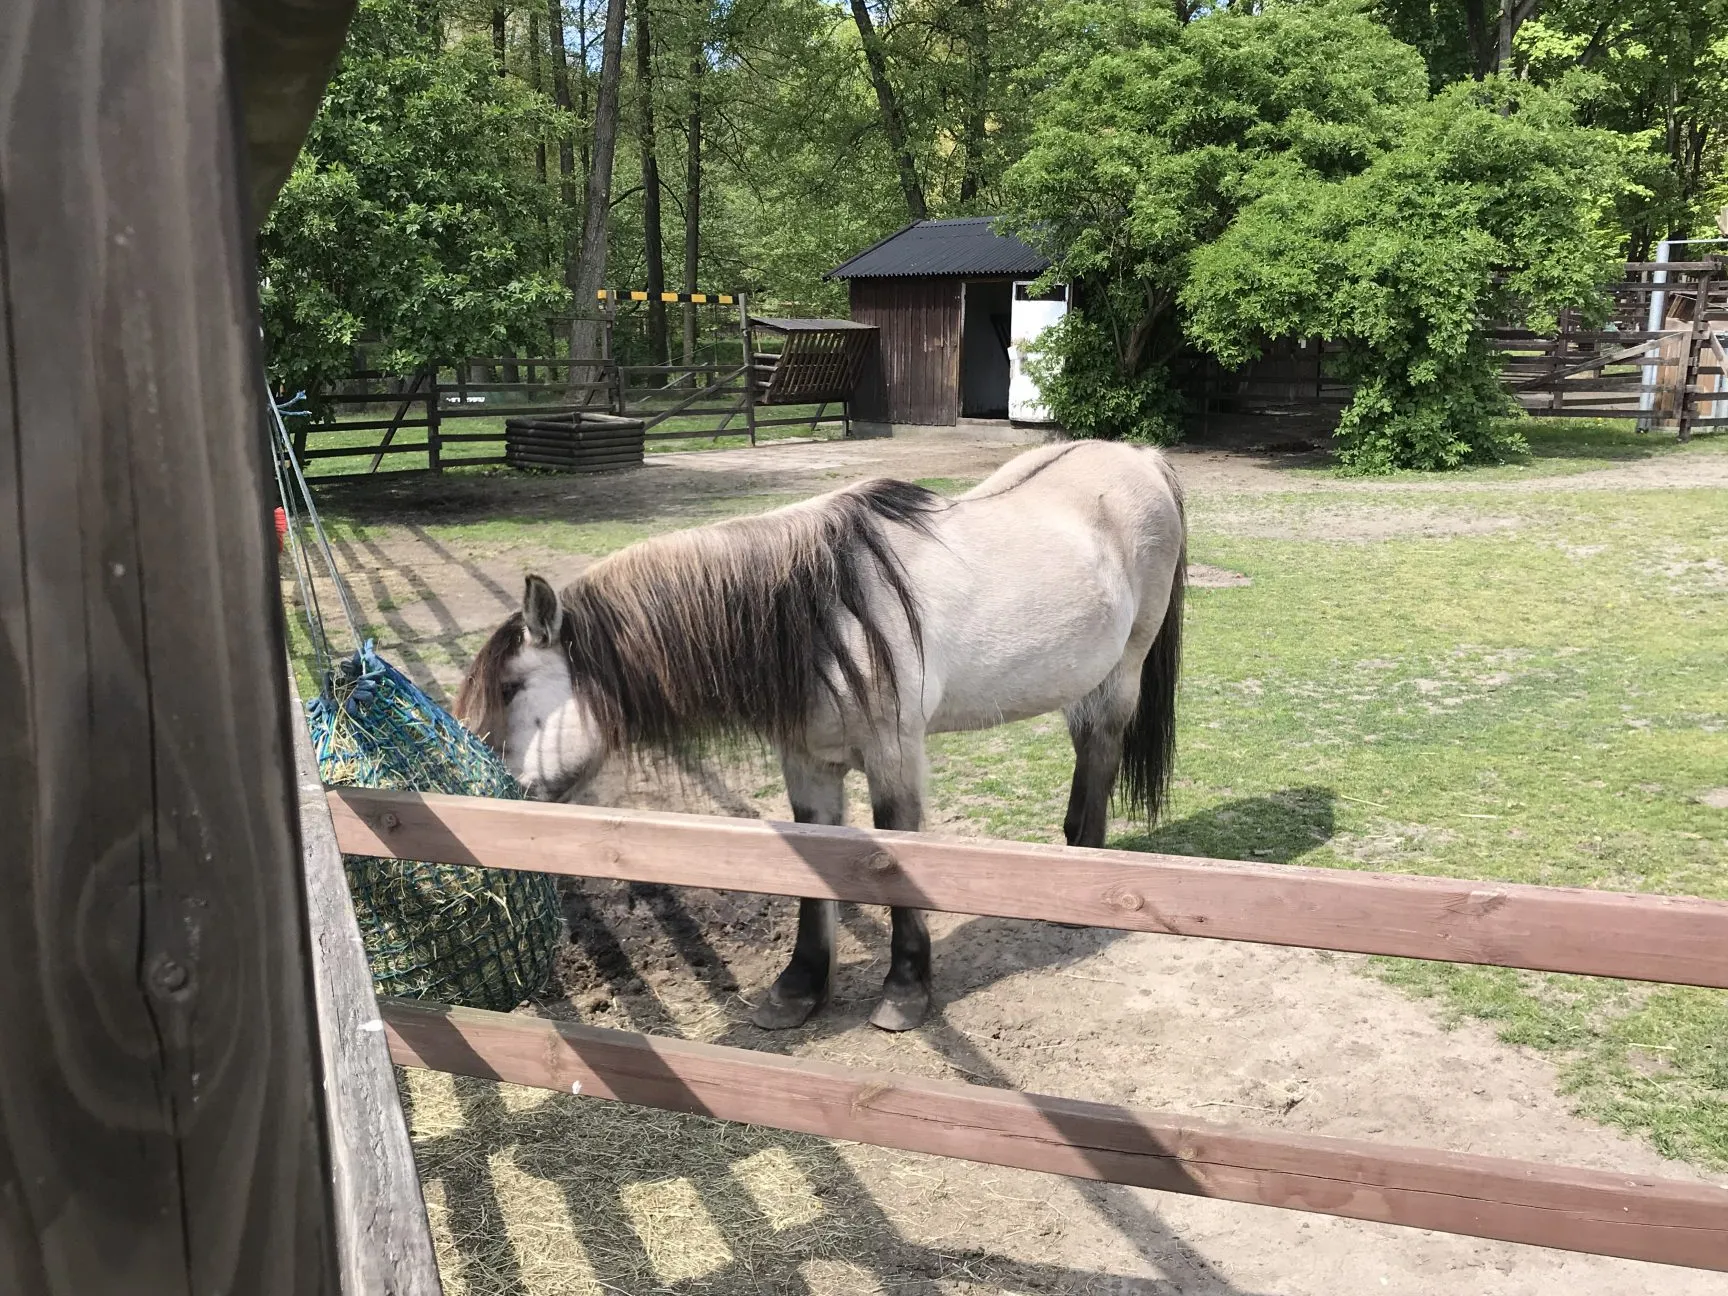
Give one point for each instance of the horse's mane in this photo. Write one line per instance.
(734, 628)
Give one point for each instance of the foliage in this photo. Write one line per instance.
(1075, 367)
(1490, 206)
(1285, 174)
(1654, 70)
(1651, 70)
(1152, 135)
(410, 218)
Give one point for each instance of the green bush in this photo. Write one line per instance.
(1086, 392)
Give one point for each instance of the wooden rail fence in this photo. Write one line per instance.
(1674, 375)
(1658, 938)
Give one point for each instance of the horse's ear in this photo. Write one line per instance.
(542, 614)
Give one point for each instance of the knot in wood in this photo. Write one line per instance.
(880, 862)
(168, 977)
(390, 823)
(1124, 899)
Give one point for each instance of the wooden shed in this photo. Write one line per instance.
(952, 302)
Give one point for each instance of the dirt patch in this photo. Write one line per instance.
(1353, 520)
(1715, 798)
(1205, 576)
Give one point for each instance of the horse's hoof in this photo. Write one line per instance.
(777, 1012)
(902, 1013)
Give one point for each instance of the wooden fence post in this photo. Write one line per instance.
(160, 1108)
(434, 415)
(1687, 408)
(749, 358)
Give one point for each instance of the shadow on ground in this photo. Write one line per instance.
(1279, 828)
(595, 1158)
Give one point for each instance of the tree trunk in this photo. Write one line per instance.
(597, 207)
(582, 77)
(1476, 35)
(538, 83)
(893, 125)
(693, 198)
(653, 247)
(499, 17)
(973, 133)
(1503, 55)
(566, 147)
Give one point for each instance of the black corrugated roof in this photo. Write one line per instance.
(967, 246)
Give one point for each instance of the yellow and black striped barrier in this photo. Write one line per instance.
(696, 299)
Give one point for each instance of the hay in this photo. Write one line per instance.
(546, 1194)
(481, 938)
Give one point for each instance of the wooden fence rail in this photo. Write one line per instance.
(1631, 1216)
(1649, 937)
(1550, 929)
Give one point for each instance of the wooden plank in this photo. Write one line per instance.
(160, 1113)
(383, 1236)
(362, 425)
(1664, 1220)
(1633, 267)
(285, 54)
(1551, 929)
(360, 452)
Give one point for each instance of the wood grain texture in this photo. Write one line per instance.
(917, 374)
(161, 1128)
(286, 51)
(1639, 1218)
(383, 1236)
(1552, 929)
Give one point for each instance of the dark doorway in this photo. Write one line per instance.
(984, 349)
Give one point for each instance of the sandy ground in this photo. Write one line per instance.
(1286, 1039)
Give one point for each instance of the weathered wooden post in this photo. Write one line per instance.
(161, 1120)
(748, 355)
(1697, 338)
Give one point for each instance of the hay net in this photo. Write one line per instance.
(477, 937)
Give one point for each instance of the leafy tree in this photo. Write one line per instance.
(1492, 205)
(1646, 69)
(1151, 136)
(414, 217)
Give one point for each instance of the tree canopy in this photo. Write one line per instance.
(1214, 175)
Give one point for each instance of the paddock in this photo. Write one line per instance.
(1215, 1032)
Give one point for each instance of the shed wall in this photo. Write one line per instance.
(918, 380)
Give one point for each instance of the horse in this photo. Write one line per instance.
(844, 629)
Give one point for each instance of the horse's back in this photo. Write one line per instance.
(1042, 575)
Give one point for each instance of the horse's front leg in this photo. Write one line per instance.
(818, 794)
(897, 802)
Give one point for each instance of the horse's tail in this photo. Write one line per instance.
(1149, 747)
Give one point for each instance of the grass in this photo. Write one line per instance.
(1542, 704)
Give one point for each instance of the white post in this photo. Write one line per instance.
(1653, 324)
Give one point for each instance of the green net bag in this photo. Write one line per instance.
(478, 937)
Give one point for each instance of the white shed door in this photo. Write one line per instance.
(1029, 316)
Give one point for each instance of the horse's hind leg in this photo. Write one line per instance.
(818, 794)
(1097, 724)
(897, 802)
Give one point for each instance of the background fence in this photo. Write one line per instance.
(1658, 358)
(724, 385)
